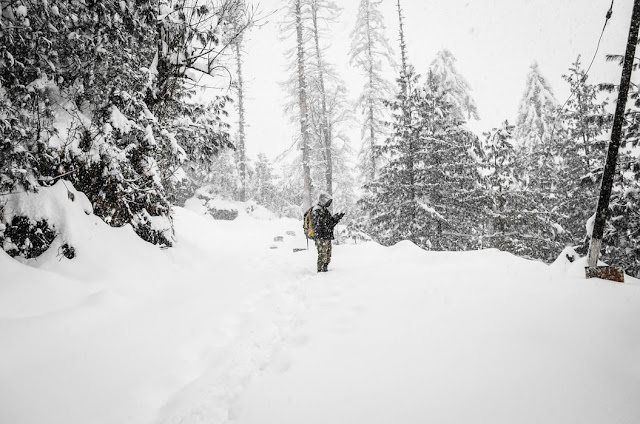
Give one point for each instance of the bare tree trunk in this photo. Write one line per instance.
(302, 87)
(370, 100)
(325, 124)
(241, 122)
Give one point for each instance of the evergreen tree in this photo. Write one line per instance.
(509, 206)
(537, 110)
(432, 181)
(585, 123)
(262, 188)
(452, 179)
(370, 52)
(621, 241)
(123, 73)
(453, 86)
(538, 133)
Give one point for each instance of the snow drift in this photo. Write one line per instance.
(232, 326)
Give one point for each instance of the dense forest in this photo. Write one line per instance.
(108, 96)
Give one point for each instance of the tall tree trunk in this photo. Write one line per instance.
(370, 100)
(325, 124)
(241, 121)
(302, 87)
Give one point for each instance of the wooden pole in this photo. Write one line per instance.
(614, 145)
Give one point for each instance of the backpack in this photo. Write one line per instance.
(307, 224)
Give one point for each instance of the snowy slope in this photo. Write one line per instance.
(222, 328)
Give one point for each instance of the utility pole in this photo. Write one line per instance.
(614, 145)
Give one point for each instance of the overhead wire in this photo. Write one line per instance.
(595, 53)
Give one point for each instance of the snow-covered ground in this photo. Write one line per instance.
(222, 328)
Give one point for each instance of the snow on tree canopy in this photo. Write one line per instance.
(453, 85)
(536, 110)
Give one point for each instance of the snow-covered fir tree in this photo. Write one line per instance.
(371, 54)
(508, 203)
(452, 179)
(621, 241)
(536, 113)
(538, 133)
(262, 187)
(432, 181)
(585, 123)
(114, 83)
(455, 89)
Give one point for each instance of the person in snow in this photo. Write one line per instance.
(323, 225)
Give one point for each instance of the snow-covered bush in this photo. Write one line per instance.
(32, 223)
(215, 204)
(26, 237)
(102, 93)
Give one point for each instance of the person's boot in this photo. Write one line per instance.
(324, 267)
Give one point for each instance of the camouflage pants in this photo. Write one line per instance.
(324, 254)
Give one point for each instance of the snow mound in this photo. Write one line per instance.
(406, 247)
(58, 205)
(567, 257)
(220, 208)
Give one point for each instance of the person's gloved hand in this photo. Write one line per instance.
(339, 216)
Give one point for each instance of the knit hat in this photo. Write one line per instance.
(324, 199)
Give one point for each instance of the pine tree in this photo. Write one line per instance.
(123, 72)
(508, 203)
(262, 188)
(432, 181)
(621, 241)
(538, 133)
(452, 180)
(537, 110)
(370, 52)
(453, 86)
(583, 149)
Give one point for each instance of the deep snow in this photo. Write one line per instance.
(223, 328)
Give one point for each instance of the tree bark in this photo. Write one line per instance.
(241, 123)
(370, 100)
(302, 102)
(325, 124)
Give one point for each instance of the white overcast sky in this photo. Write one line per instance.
(494, 41)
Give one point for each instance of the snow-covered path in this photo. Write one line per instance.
(127, 333)
(402, 335)
(223, 329)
